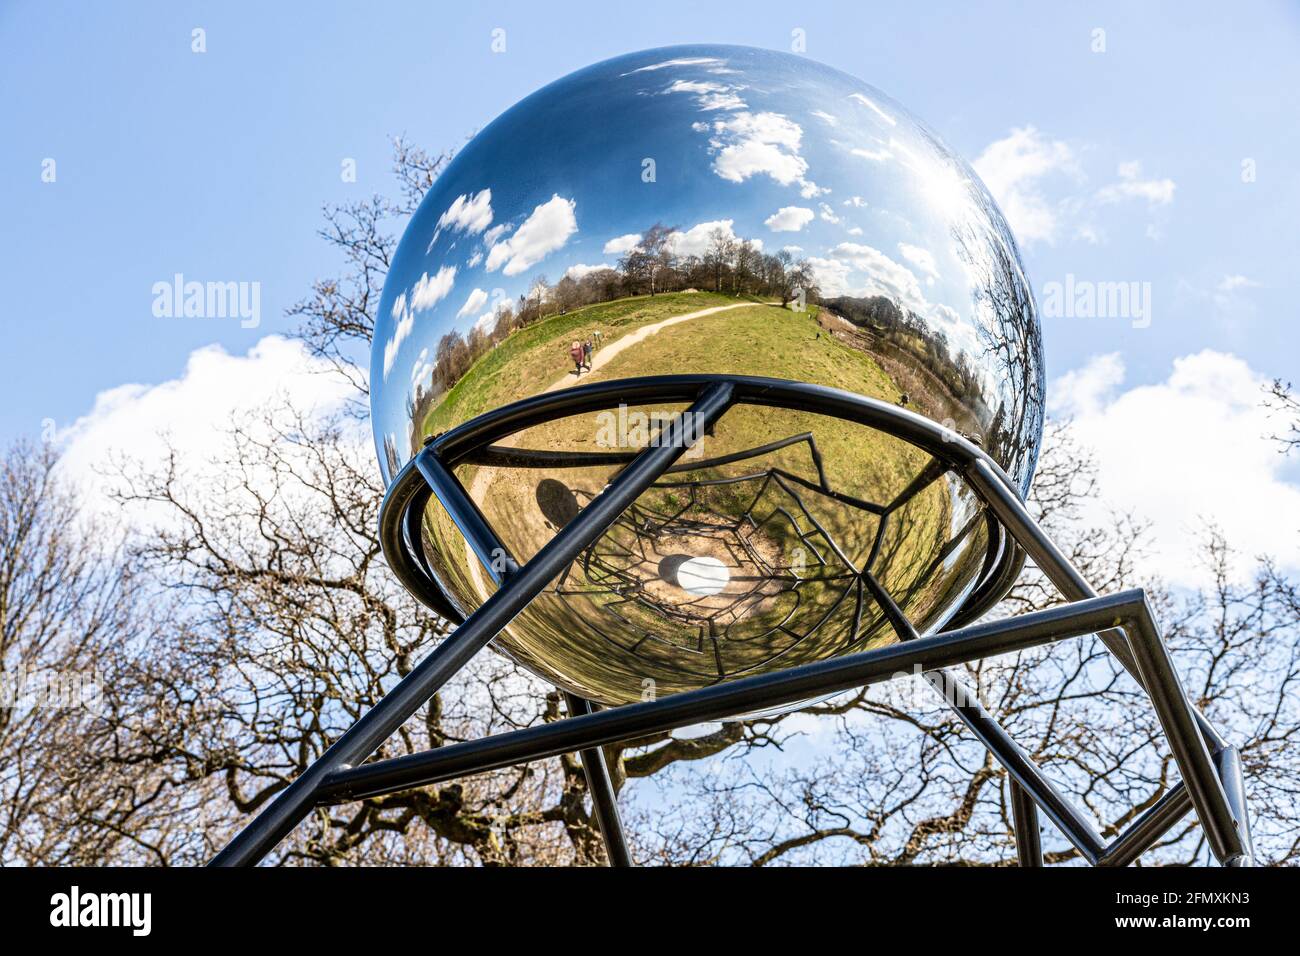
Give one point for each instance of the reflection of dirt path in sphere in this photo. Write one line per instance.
(601, 357)
(484, 477)
(747, 588)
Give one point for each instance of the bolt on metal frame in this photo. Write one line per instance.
(1211, 784)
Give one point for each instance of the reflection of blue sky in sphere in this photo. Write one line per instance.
(703, 576)
(767, 146)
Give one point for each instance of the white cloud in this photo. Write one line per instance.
(721, 101)
(679, 61)
(425, 294)
(137, 422)
(923, 259)
(833, 276)
(882, 276)
(752, 157)
(789, 219)
(1013, 169)
(477, 299)
(884, 117)
(1017, 167)
(405, 323)
(709, 95)
(874, 155)
(421, 369)
(1090, 234)
(1230, 297)
(693, 86)
(826, 118)
(580, 269)
(400, 333)
(1183, 451)
(855, 201)
(621, 244)
(1157, 192)
(430, 290)
(1231, 283)
(753, 144)
(1083, 390)
(471, 213)
(488, 320)
(547, 229)
(827, 214)
(696, 240)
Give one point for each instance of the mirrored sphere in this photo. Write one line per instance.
(712, 209)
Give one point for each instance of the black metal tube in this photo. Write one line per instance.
(1228, 762)
(400, 517)
(992, 486)
(465, 514)
(382, 720)
(1006, 504)
(468, 442)
(1178, 720)
(998, 491)
(1143, 654)
(604, 801)
(1077, 828)
(503, 456)
(726, 700)
(1143, 832)
(1025, 774)
(1024, 816)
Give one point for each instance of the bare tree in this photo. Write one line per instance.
(283, 626)
(72, 621)
(647, 262)
(718, 257)
(900, 780)
(1283, 401)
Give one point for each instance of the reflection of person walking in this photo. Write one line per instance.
(586, 353)
(575, 353)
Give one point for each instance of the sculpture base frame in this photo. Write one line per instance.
(1211, 783)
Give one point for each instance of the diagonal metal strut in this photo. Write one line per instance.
(383, 720)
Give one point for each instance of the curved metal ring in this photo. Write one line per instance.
(405, 499)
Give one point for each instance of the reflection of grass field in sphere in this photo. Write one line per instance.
(754, 340)
(531, 358)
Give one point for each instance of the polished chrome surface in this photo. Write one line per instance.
(793, 223)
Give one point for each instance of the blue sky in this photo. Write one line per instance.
(1128, 162)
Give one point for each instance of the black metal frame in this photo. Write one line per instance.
(1211, 784)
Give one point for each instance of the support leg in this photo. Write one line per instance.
(1228, 762)
(1179, 723)
(604, 801)
(1144, 655)
(1024, 813)
(1026, 777)
(1148, 828)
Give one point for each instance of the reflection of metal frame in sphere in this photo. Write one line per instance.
(1211, 773)
(608, 564)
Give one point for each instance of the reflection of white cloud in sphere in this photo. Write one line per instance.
(702, 576)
